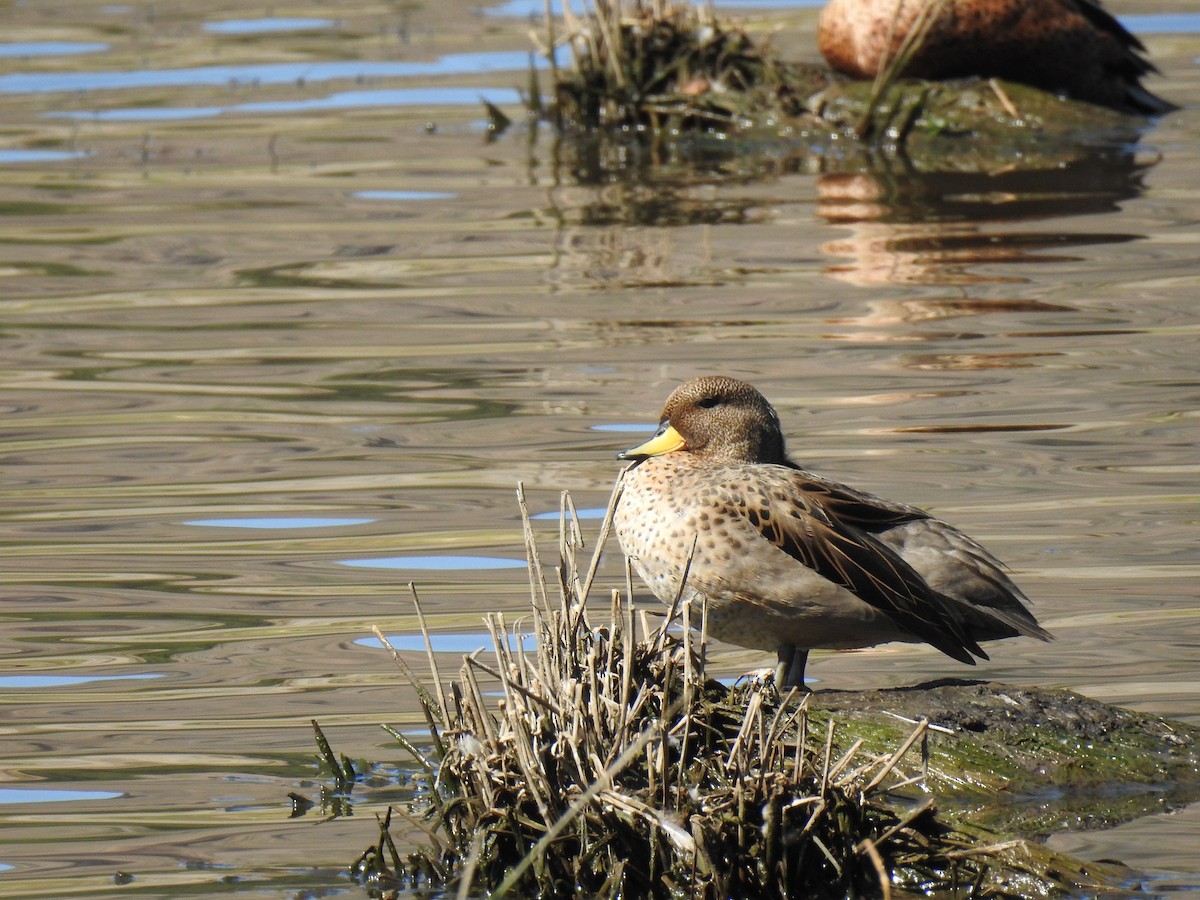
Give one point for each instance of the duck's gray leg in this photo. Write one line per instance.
(789, 671)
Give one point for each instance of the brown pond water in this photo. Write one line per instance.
(271, 306)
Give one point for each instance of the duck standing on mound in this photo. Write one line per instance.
(789, 561)
(1070, 46)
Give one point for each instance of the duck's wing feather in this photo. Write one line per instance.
(1105, 22)
(787, 509)
(992, 600)
(850, 505)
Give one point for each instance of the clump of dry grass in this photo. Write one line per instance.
(611, 766)
(663, 65)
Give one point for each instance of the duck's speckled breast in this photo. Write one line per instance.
(758, 595)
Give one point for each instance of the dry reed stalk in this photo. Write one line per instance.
(612, 766)
(430, 655)
(551, 39)
(899, 754)
(657, 65)
(537, 579)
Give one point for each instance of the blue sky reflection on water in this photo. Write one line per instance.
(273, 522)
(8, 156)
(621, 426)
(436, 563)
(38, 795)
(404, 195)
(467, 642)
(42, 681)
(26, 49)
(589, 512)
(264, 74)
(1164, 23)
(398, 97)
(267, 25)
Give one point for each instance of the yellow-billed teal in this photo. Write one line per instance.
(1070, 46)
(789, 561)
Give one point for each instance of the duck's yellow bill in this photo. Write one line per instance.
(665, 441)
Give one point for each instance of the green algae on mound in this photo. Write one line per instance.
(1039, 761)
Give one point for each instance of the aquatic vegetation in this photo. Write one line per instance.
(667, 66)
(659, 70)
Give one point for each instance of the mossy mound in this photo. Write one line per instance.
(667, 70)
(1037, 761)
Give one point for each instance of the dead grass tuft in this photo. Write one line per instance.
(609, 765)
(661, 67)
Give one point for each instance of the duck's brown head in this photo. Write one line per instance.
(718, 419)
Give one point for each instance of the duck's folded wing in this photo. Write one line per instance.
(991, 604)
(852, 558)
(858, 508)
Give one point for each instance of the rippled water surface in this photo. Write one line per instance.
(265, 365)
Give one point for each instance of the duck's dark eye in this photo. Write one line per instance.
(709, 402)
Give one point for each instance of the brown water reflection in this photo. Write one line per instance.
(279, 321)
(948, 227)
